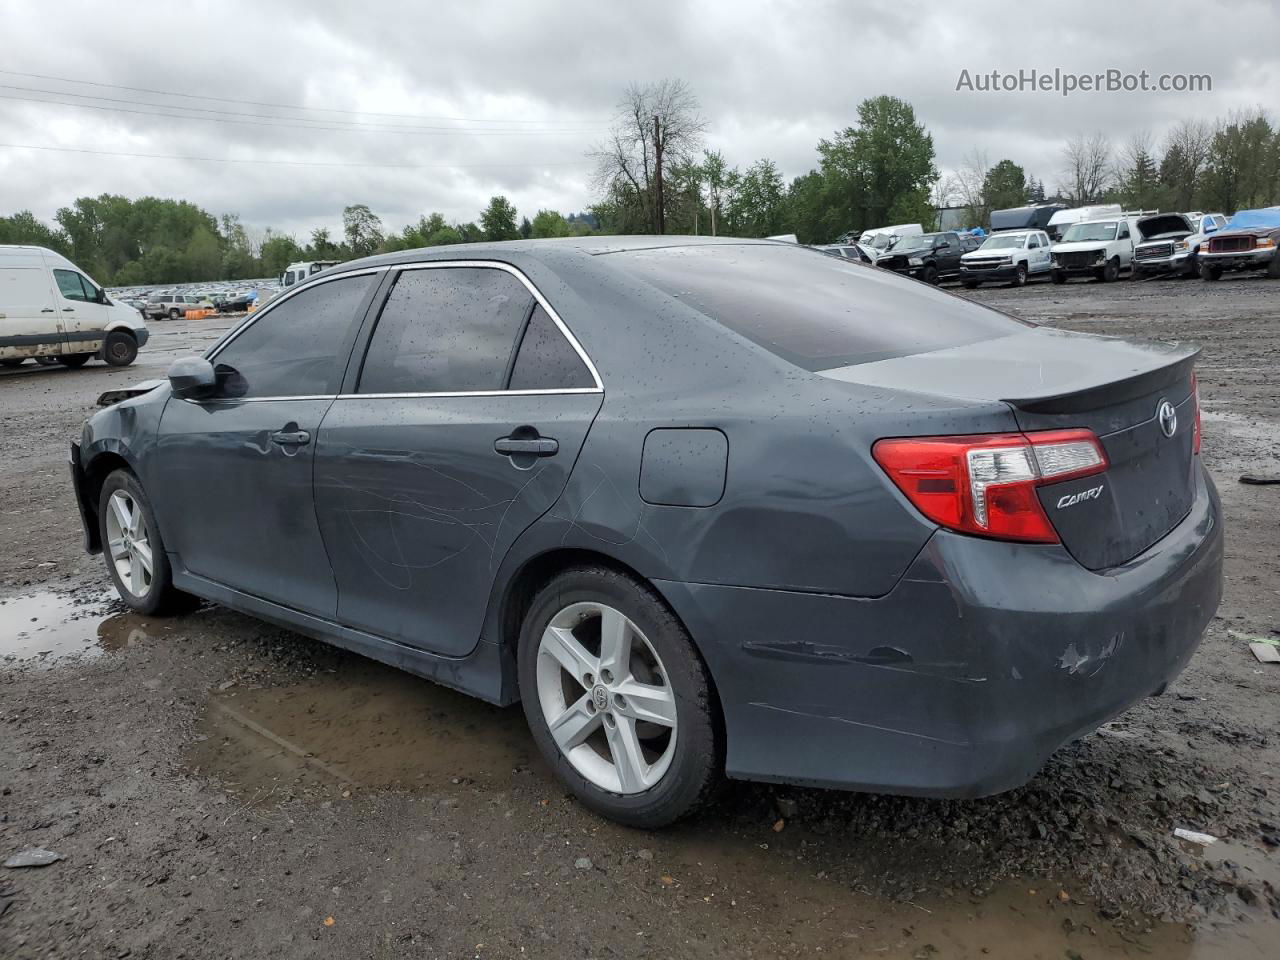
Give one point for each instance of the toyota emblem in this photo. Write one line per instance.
(1168, 418)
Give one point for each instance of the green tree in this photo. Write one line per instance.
(1005, 185)
(444, 236)
(759, 201)
(1243, 161)
(322, 246)
(278, 251)
(498, 221)
(549, 223)
(882, 164)
(362, 229)
(526, 228)
(23, 227)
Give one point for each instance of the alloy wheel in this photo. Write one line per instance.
(129, 543)
(606, 698)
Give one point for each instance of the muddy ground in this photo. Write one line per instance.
(218, 787)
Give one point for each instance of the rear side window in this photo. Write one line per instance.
(295, 348)
(446, 330)
(547, 361)
(814, 311)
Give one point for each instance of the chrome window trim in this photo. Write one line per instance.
(429, 265)
(542, 302)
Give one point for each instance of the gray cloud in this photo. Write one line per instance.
(772, 78)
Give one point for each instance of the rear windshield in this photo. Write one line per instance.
(812, 310)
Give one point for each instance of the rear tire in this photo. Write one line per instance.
(174, 314)
(133, 550)
(75, 360)
(120, 348)
(596, 710)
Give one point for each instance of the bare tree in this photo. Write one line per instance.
(656, 123)
(1086, 167)
(1186, 155)
(970, 183)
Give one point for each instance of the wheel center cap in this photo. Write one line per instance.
(600, 697)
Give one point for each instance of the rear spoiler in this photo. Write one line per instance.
(112, 397)
(1115, 391)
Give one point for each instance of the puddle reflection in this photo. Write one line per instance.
(43, 629)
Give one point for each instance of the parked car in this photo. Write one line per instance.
(882, 238)
(1247, 242)
(1170, 244)
(51, 311)
(1097, 248)
(238, 302)
(174, 306)
(849, 251)
(1012, 256)
(1060, 221)
(931, 257)
(695, 511)
(1036, 216)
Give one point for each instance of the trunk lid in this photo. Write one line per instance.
(1050, 380)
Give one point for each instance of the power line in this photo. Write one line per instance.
(298, 123)
(280, 106)
(292, 163)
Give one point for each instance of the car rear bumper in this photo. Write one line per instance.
(983, 660)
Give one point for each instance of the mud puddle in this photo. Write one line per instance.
(45, 628)
(368, 726)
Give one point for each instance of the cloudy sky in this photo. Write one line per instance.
(413, 107)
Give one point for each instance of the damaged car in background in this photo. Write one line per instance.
(1249, 241)
(1171, 244)
(707, 507)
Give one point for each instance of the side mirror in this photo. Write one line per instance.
(192, 378)
(1210, 228)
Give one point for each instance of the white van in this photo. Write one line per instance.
(50, 308)
(297, 272)
(1060, 221)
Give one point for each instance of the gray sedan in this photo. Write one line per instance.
(706, 507)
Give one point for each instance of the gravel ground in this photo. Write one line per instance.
(218, 787)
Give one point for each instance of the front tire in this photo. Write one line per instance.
(134, 553)
(1110, 271)
(174, 314)
(13, 361)
(120, 348)
(930, 274)
(1273, 268)
(618, 700)
(1020, 276)
(1210, 272)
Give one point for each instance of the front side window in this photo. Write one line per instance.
(547, 361)
(446, 330)
(75, 287)
(295, 348)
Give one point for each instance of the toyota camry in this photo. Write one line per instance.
(705, 507)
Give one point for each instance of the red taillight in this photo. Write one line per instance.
(1195, 399)
(986, 484)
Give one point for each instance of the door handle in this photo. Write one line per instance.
(291, 438)
(520, 446)
(68, 309)
(48, 310)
